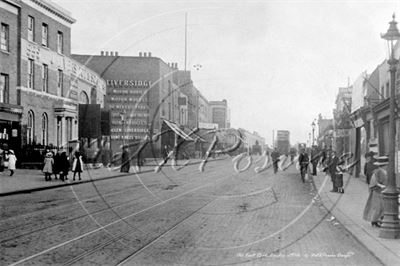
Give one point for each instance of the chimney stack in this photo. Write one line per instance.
(106, 53)
(102, 53)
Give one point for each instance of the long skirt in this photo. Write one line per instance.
(374, 208)
(339, 180)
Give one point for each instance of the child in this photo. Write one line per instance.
(48, 166)
(12, 160)
(339, 179)
(77, 165)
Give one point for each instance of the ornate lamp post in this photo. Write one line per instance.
(313, 129)
(390, 224)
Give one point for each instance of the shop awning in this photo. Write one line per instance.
(178, 131)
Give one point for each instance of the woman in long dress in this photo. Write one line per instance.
(373, 211)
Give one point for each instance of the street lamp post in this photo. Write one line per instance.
(390, 224)
(122, 114)
(313, 129)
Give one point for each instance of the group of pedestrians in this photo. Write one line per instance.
(59, 164)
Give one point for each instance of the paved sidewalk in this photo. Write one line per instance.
(27, 180)
(348, 209)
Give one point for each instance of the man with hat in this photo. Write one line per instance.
(374, 210)
(369, 166)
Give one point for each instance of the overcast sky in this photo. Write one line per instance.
(278, 63)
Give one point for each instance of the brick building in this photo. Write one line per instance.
(44, 85)
(140, 93)
(10, 110)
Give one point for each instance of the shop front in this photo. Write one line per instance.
(10, 127)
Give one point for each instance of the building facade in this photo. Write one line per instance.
(220, 113)
(10, 109)
(140, 94)
(44, 84)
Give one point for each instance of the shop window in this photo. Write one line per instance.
(31, 127)
(4, 88)
(4, 37)
(45, 35)
(45, 128)
(31, 29)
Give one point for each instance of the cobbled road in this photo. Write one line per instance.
(185, 217)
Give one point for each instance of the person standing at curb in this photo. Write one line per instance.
(77, 165)
(303, 164)
(64, 166)
(48, 166)
(369, 166)
(331, 169)
(373, 211)
(12, 160)
(125, 161)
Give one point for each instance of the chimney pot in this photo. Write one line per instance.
(144, 54)
(106, 53)
(111, 53)
(140, 54)
(102, 53)
(149, 54)
(116, 53)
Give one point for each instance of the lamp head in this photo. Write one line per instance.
(392, 33)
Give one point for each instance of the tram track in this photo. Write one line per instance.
(115, 222)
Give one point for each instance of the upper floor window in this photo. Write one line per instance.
(60, 82)
(31, 73)
(4, 37)
(4, 88)
(45, 78)
(45, 35)
(31, 29)
(60, 42)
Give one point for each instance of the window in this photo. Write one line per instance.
(83, 98)
(60, 81)
(45, 78)
(30, 127)
(4, 37)
(59, 132)
(60, 42)
(3, 88)
(31, 29)
(45, 126)
(45, 35)
(31, 73)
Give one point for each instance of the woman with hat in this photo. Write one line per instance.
(48, 166)
(373, 211)
(369, 166)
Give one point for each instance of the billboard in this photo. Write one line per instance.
(283, 135)
(89, 121)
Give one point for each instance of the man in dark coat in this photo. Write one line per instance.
(275, 159)
(315, 155)
(303, 163)
(369, 166)
(125, 161)
(331, 168)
